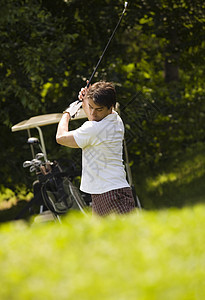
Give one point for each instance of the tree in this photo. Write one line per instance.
(163, 63)
(32, 61)
(179, 23)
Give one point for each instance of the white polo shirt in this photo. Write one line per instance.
(102, 164)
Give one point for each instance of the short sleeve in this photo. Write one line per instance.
(84, 134)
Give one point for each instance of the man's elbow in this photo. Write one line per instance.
(59, 139)
(66, 140)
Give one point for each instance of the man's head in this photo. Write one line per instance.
(102, 93)
(99, 100)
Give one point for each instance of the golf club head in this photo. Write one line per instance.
(39, 155)
(32, 140)
(27, 164)
(32, 168)
(36, 162)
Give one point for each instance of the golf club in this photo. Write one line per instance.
(33, 140)
(27, 164)
(37, 162)
(39, 155)
(32, 168)
(110, 39)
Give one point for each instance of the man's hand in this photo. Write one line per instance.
(73, 108)
(83, 92)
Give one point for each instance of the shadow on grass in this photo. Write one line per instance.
(176, 182)
(174, 194)
(10, 214)
(20, 210)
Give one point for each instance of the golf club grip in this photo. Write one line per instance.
(101, 57)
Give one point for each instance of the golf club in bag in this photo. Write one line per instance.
(53, 190)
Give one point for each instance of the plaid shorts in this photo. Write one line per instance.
(118, 201)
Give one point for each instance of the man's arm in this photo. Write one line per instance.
(64, 136)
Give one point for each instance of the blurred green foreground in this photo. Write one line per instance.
(147, 255)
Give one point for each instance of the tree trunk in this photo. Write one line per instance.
(171, 69)
(172, 58)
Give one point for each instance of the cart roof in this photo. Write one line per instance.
(44, 120)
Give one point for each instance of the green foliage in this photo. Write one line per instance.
(151, 255)
(37, 43)
(8, 197)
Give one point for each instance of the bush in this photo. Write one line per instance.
(150, 255)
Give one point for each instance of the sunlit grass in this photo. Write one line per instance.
(178, 182)
(147, 255)
(185, 172)
(153, 183)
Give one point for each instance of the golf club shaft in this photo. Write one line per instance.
(125, 6)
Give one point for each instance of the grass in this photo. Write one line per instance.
(146, 256)
(177, 182)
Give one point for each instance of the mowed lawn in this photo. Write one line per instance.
(155, 255)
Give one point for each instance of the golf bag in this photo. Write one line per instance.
(58, 192)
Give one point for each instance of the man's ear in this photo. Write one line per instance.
(112, 108)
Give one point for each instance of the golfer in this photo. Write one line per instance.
(100, 138)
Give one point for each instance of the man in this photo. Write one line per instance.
(100, 138)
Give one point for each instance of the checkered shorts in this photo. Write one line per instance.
(118, 201)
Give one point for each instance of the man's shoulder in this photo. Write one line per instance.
(87, 124)
(87, 127)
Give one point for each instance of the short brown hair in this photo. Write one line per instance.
(102, 93)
